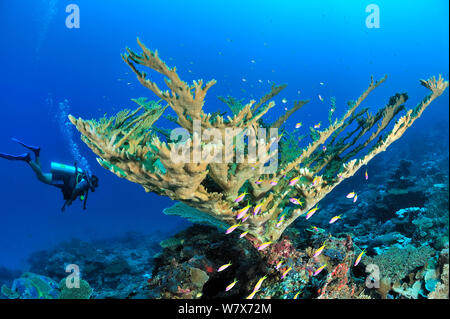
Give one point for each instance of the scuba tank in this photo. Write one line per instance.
(59, 171)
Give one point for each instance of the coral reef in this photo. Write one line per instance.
(129, 146)
(32, 286)
(114, 268)
(84, 291)
(406, 252)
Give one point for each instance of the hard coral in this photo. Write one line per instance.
(128, 145)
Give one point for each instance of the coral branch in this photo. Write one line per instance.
(127, 145)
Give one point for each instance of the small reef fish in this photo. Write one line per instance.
(286, 272)
(245, 217)
(296, 295)
(242, 212)
(280, 222)
(315, 181)
(359, 258)
(321, 83)
(324, 148)
(351, 195)
(264, 245)
(258, 182)
(231, 285)
(293, 181)
(355, 198)
(320, 98)
(314, 229)
(273, 183)
(311, 212)
(319, 251)
(244, 80)
(223, 267)
(243, 234)
(319, 270)
(284, 101)
(259, 283)
(294, 201)
(278, 265)
(252, 294)
(257, 209)
(335, 218)
(240, 197)
(298, 125)
(366, 175)
(232, 228)
(317, 126)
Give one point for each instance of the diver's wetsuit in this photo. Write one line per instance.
(72, 184)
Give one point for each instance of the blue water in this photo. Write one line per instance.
(301, 43)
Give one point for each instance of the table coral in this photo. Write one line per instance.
(131, 147)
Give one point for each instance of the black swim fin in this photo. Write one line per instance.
(36, 150)
(24, 157)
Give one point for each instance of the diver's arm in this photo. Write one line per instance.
(85, 199)
(79, 189)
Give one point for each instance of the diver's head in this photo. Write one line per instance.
(94, 182)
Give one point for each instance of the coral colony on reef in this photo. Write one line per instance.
(241, 193)
(392, 242)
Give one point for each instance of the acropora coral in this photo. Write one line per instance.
(130, 146)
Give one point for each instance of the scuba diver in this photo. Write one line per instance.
(72, 181)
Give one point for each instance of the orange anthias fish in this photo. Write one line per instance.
(319, 270)
(335, 218)
(298, 125)
(311, 212)
(366, 175)
(316, 126)
(319, 251)
(223, 267)
(359, 258)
